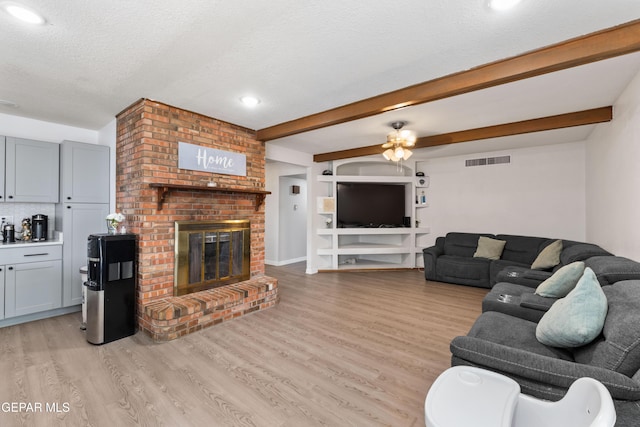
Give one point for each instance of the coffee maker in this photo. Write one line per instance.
(39, 227)
(8, 233)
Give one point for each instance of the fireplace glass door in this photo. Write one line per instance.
(211, 254)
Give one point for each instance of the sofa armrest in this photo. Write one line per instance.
(537, 302)
(541, 369)
(430, 256)
(523, 276)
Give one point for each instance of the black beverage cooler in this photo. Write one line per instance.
(111, 287)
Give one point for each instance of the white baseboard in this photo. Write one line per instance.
(285, 262)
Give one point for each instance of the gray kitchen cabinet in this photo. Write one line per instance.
(77, 221)
(31, 171)
(2, 172)
(2, 270)
(84, 172)
(32, 279)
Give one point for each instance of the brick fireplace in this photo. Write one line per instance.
(153, 193)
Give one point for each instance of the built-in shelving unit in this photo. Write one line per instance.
(371, 248)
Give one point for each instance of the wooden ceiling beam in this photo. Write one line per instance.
(605, 44)
(578, 118)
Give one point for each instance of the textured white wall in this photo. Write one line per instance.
(613, 178)
(540, 193)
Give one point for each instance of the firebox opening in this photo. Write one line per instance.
(209, 254)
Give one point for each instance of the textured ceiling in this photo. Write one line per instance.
(94, 58)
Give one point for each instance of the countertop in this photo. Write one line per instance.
(56, 240)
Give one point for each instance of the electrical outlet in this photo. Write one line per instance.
(6, 219)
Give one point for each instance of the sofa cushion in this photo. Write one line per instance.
(489, 248)
(612, 269)
(549, 257)
(463, 270)
(522, 249)
(581, 252)
(462, 244)
(562, 281)
(576, 319)
(619, 346)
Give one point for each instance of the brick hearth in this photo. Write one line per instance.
(170, 318)
(148, 133)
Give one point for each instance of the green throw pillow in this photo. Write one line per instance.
(489, 248)
(549, 257)
(576, 319)
(562, 281)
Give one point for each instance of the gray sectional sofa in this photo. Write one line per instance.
(452, 259)
(504, 338)
(507, 344)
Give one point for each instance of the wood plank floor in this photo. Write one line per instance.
(341, 349)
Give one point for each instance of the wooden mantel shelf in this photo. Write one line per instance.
(165, 189)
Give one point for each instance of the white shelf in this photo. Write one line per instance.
(373, 231)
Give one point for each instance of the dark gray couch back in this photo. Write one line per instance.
(522, 249)
(462, 244)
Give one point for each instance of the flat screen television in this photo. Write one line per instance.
(361, 204)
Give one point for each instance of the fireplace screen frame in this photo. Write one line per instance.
(202, 233)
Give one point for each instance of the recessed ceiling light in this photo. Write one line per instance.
(23, 13)
(250, 101)
(7, 103)
(502, 4)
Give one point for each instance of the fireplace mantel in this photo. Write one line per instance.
(165, 189)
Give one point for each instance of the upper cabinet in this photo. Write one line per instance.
(31, 171)
(84, 173)
(2, 172)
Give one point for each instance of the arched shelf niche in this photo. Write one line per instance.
(373, 168)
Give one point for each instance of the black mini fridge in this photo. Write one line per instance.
(111, 287)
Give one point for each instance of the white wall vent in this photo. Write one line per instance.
(488, 161)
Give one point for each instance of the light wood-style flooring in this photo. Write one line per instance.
(340, 349)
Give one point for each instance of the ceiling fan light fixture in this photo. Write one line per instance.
(388, 154)
(398, 143)
(23, 13)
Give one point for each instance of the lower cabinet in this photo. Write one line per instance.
(2, 270)
(33, 287)
(32, 279)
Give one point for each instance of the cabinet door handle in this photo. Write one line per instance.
(10, 268)
(11, 197)
(68, 198)
(68, 207)
(42, 254)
